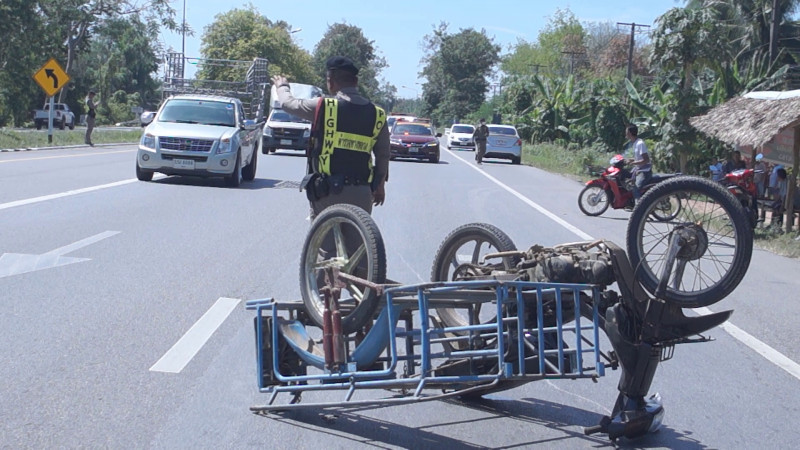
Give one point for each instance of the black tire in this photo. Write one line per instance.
(435, 159)
(143, 175)
(72, 125)
(235, 178)
(668, 209)
(61, 125)
(516, 161)
(358, 250)
(249, 171)
(593, 200)
(483, 239)
(711, 269)
(38, 125)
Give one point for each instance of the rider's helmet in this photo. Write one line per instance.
(617, 161)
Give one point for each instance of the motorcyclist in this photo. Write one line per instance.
(642, 169)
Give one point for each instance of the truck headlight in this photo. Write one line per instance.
(432, 144)
(395, 142)
(224, 146)
(267, 131)
(306, 133)
(148, 141)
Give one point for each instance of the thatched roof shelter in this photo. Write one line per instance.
(767, 121)
(752, 120)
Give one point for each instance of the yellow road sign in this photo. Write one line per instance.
(51, 77)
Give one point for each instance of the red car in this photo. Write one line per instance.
(415, 140)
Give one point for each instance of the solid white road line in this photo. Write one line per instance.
(64, 156)
(529, 202)
(772, 355)
(64, 194)
(761, 348)
(187, 346)
(44, 198)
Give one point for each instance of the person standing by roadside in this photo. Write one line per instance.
(479, 136)
(760, 175)
(642, 169)
(90, 115)
(346, 131)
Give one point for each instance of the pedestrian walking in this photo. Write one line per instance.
(480, 136)
(90, 116)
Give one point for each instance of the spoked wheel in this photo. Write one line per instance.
(701, 255)
(667, 208)
(593, 200)
(460, 258)
(345, 237)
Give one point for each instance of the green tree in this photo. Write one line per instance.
(560, 49)
(122, 57)
(685, 41)
(245, 34)
(457, 70)
(74, 19)
(342, 39)
(23, 44)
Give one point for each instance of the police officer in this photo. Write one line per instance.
(480, 136)
(347, 129)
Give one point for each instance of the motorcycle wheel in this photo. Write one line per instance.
(668, 208)
(718, 256)
(468, 244)
(593, 200)
(345, 237)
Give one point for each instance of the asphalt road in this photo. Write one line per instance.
(102, 275)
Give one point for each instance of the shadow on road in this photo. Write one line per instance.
(560, 425)
(257, 184)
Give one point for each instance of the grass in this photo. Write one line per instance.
(572, 164)
(13, 139)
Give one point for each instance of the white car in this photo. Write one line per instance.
(461, 137)
(504, 142)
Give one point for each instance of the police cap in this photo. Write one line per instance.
(342, 63)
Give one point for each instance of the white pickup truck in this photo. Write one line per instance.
(62, 116)
(202, 136)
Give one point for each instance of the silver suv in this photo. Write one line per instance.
(200, 135)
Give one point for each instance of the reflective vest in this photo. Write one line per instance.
(346, 134)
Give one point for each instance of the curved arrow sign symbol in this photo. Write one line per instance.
(52, 74)
(18, 263)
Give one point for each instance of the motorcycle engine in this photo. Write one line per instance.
(567, 264)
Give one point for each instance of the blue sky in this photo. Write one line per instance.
(397, 28)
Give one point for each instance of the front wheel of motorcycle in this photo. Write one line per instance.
(713, 251)
(593, 200)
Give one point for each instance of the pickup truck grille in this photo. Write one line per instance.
(185, 144)
(290, 132)
(192, 157)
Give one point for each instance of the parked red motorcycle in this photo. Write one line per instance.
(741, 184)
(614, 188)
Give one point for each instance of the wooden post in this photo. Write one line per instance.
(791, 181)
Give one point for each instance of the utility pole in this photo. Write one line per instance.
(630, 47)
(572, 56)
(773, 33)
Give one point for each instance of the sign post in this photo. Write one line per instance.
(51, 78)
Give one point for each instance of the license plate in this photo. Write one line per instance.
(183, 164)
(413, 150)
(286, 142)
